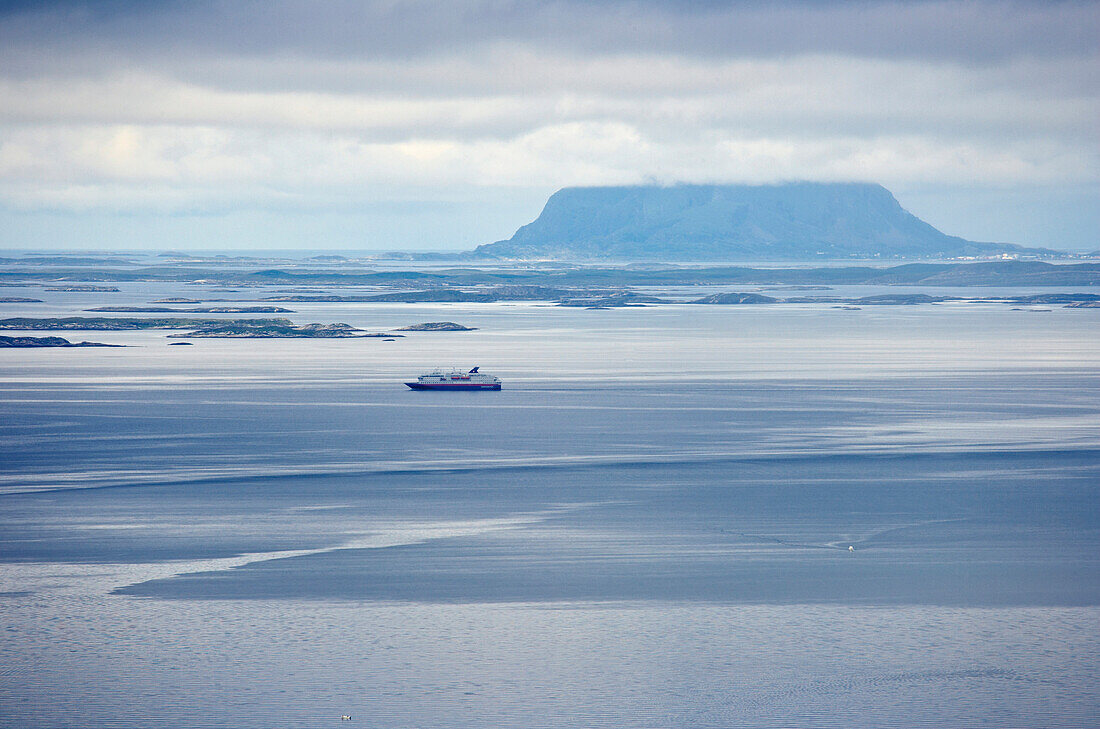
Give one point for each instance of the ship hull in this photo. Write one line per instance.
(456, 386)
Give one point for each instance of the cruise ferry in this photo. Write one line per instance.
(455, 380)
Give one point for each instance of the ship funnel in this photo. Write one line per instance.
(473, 371)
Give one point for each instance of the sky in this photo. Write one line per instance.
(438, 125)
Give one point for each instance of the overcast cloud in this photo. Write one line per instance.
(446, 124)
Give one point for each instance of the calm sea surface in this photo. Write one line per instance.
(648, 527)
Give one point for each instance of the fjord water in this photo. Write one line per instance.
(649, 526)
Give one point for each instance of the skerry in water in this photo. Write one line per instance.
(455, 380)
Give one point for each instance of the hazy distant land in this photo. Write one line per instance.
(796, 221)
(559, 276)
(336, 280)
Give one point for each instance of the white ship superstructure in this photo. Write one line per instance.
(455, 380)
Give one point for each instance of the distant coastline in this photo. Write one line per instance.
(564, 275)
(39, 342)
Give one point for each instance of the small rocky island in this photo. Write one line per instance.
(26, 342)
(436, 326)
(82, 287)
(616, 300)
(252, 328)
(193, 310)
(272, 329)
(114, 323)
(736, 297)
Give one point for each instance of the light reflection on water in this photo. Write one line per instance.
(647, 527)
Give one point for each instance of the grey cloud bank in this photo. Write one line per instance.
(978, 31)
(286, 124)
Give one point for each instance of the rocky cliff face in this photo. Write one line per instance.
(796, 221)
